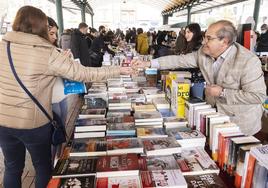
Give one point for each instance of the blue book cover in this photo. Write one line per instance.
(73, 87)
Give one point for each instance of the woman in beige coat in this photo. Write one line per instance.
(38, 63)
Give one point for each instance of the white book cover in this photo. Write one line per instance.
(163, 178)
(199, 107)
(226, 127)
(189, 109)
(261, 154)
(198, 116)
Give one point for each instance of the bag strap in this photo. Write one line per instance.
(23, 86)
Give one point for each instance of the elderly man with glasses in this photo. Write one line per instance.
(235, 82)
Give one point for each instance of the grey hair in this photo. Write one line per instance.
(227, 30)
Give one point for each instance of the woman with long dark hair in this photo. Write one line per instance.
(192, 39)
(52, 31)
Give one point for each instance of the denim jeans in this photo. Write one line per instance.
(14, 143)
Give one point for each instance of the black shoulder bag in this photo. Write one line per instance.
(58, 133)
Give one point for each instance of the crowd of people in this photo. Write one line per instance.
(235, 82)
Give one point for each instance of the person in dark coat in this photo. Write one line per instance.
(79, 45)
(100, 45)
(262, 44)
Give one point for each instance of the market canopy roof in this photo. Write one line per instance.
(166, 7)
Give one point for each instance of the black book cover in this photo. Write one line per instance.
(74, 167)
(204, 181)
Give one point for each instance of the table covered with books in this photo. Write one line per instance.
(140, 132)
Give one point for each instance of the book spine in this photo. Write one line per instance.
(250, 171)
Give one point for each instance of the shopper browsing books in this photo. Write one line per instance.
(235, 82)
(37, 63)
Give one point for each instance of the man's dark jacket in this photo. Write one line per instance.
(79, 48)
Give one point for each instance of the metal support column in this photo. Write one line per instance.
(165, 19)
(189, 14)
(59, 15)
(92, 25)
(83, 12)
(256, 12)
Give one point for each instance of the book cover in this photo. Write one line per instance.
(114, 129)
(88, 147)
(165, 162)
(119, 182)
(163, 178)
(118, 165)
(194, 161)
(151, 133)
(204, 181)
(261, 154)
(95, 103)
(124, 146)
(72, 182)
(167, 113)
(73, 87)
(74, 167)
(161, 146)
(85, 122)
(147, 116)
(92, 113)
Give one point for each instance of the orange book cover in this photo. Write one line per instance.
(238, 180)
(53, 183)
(220, 149)
(250, 171)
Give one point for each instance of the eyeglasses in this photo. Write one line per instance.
(209, 38)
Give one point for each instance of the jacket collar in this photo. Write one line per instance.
(26, 39)
(229, 59)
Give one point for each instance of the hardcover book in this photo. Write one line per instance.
(151, 133)
(124, 146)
(194, 161)
(161, 146)
(88, 147)
(72, 182)
(147, 116)
(92, 113)
(163, 178)
(204, 181)
(187, 138)
(165, 162)
(119, 182)
(74, 167)
(118, 165)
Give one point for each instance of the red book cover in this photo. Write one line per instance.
(102, 182)
(247, 39)
(118, 163)
(238, 180)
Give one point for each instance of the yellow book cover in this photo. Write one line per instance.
(181, 92)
